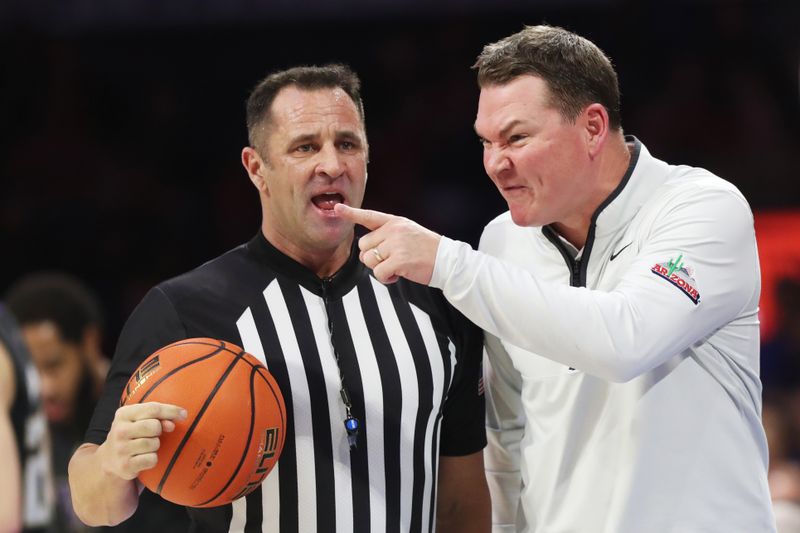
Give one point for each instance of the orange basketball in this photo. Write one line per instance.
(235, 428)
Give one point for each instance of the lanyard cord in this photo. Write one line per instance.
(351, 423)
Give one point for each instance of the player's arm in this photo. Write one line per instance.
(10, 481)
(463, 498)
(102, 478)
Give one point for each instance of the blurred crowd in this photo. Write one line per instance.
(780, 375)
(61, 322)
(119, 160)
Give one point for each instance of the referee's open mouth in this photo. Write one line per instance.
(326, 201)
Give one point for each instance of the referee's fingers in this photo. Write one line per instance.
(371, 220)
(150, 410)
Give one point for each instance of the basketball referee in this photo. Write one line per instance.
(397, 363)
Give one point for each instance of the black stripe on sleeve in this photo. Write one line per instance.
(359, 459)
(288, 461)
(445, 355)
(318, 400)
(463, 428)
(425, 378)
(392, 400)
(435, 470)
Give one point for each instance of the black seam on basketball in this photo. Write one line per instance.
(257, 364)
(222, 345)
(196, 421)
(247, 444)
(260, 366)
(277, 402)
(155, 385)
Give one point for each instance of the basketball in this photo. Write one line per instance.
(234, 431)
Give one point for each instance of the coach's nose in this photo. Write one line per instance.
(495, 161)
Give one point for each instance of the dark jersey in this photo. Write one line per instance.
(411, 364)
(30, 430)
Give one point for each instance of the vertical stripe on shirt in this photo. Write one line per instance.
(268, 326)
(254, 511)
(392, 401)
(290, 339)
(359, 457)
(340, 493)
(409, 396)
(373, 408)
(320, 436)
(443, 375)
(423, 361)
(270, 492)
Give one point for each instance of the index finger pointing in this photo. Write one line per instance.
(371, 220)
(160, 411)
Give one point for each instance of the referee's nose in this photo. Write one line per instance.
(331, 162)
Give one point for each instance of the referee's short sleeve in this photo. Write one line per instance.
(464, 419)
(153, 324)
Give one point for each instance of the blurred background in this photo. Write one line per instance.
(123, 121)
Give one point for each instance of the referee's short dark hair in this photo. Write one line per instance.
(304, 77)
(56, 297)
(576, 71)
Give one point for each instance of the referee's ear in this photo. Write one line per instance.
(255, 167)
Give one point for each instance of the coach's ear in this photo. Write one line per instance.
(595, 122)
(255, 167)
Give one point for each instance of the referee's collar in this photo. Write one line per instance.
(336, 285)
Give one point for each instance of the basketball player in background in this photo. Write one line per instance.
(26, 483)
(62, 323)
(399, 364)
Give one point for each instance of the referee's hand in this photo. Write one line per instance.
(133, 439)
(395, 247)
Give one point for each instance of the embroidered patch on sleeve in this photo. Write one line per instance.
(679, 275)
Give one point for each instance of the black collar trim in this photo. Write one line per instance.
(334, 286)
(552, 236)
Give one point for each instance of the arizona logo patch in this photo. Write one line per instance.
(679, 275)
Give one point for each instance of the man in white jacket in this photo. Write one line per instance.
(619, 295)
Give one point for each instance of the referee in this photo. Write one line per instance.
(386, 417)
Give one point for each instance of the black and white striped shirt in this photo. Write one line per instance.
(410, 361)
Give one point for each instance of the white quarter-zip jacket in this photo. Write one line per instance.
(622, 380)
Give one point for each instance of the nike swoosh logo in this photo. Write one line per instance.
(614, 255)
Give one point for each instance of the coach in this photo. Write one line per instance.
(620, 299)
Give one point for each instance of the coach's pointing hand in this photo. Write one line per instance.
(395, 247)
